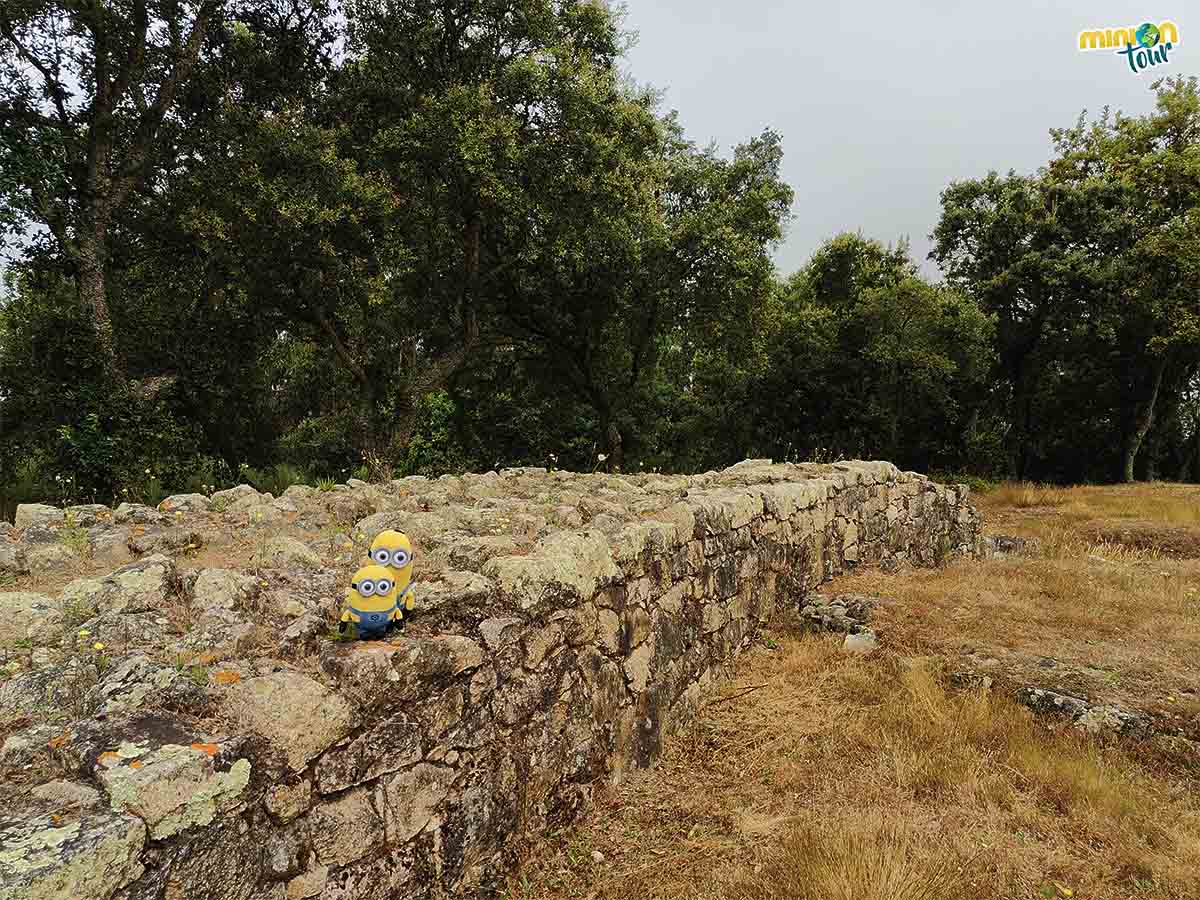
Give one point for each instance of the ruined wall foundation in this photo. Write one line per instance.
(567, 625)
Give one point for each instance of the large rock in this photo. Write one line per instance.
(411, 799)
(169, 539)
(88, 515)
(146, 584)
(137, 681)
(67, 794)
(298, 715)
(51, 558)
(346, 829)
(224, 588)
(350, 505)
(173, 787)
(224, 499)
(185, 503)
(563, 569)
(1093, 718)
(23, 613)
(12, 559)
(257, 512)
(139, 514)
(303, 635)
(298, 493)
(87, 858)
(38, 535)
(22, 750)
(55, 691)
(109, 544)
(289, 553)
(37, 514)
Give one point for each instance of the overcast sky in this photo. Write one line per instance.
(882, 103)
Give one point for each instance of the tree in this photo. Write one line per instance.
(84, 91)
(870, 359)
(1024, 248)
(1150, 167)
(670, 252)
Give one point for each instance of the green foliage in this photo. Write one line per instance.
(512, 257)
(26, 484)
(274, 480)
(1088, 268)
(867, 359)
(434, 448)
(74, 537)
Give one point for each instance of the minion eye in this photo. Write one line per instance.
(400, 558)
(381, 556)
(366, 587)
(384, 586)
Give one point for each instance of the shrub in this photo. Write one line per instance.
(434, 448)
(274, 480)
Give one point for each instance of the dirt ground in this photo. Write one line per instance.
(823, 775)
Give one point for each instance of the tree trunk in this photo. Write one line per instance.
(1143, 419)
(894, 417)
(93, 294)
(1195, 457)
(615, 447)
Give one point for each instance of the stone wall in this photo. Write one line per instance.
(559, 643)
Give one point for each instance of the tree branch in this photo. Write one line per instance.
(53, 85)
(136, 55)
(339, 348)
(152, 118)
(19, 114)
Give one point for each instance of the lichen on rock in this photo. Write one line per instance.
(174, 787)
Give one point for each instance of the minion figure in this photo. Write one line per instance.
(394, 550)
(371, 602)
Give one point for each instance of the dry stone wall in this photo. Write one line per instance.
(568, 624)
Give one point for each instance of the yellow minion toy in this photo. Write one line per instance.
(394, 550)
(371, 602)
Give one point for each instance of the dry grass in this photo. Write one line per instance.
(1116, 622)
(1160, 518)
(849, 778)
(867, 779)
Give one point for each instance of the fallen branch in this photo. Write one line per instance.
(749, 690)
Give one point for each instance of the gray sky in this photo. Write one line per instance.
(882, 104)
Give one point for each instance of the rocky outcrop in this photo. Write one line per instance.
(566, 625)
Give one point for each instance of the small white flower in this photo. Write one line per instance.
(602, 456)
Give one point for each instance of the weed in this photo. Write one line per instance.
(378, 468)
(73, 693)
(75, 611)
(274, 480)
(75, 537)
